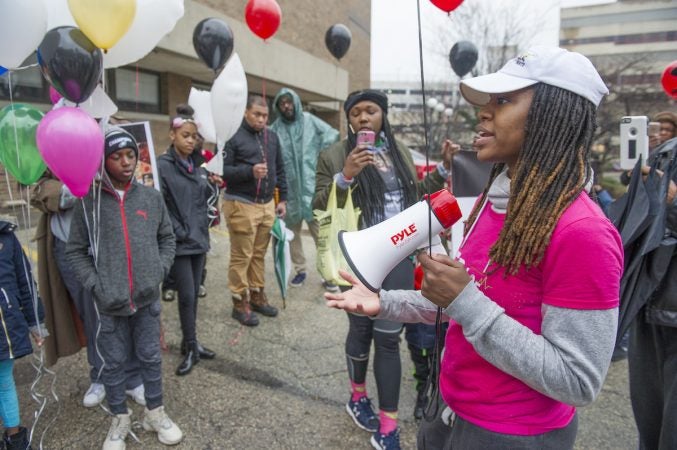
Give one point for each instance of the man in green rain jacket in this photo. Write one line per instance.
(302, 137)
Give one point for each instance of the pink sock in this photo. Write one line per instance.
(388, 421)
(359, 390)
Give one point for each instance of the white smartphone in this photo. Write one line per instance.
(634, 140)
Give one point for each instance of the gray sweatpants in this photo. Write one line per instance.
(84, 303)
(120, 338)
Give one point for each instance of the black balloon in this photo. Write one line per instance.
(70, 62)
(213, 42)
(337, 39)
(463, 56)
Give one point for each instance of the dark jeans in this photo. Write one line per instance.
(119, 339)
(187, 274)
(652, 362)
(386, 337)
(463, 435)
(84, 303)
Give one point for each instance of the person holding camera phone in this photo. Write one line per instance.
(532, 296)
(381, 172)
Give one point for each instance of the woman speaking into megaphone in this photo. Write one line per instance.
(381, 172)
(532, 297)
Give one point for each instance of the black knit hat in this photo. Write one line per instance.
(371, 95)
(117, 139)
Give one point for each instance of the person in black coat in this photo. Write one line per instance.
(22, 316)
(185, 187)
(252, 169)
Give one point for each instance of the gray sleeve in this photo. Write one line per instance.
(407, 307)
(568, 361)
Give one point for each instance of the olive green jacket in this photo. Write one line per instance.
(331, 161)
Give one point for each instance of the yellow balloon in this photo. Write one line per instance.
(104, 22)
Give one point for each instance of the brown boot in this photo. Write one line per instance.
(242, 312)
(260, 304)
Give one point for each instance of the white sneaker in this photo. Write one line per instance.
(94, 395)
(167, 431)
(118, 431)
(138, 394)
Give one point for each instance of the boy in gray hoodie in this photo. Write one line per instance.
(121, 245)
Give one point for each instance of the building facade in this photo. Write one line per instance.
(296, 57)
(630, 42)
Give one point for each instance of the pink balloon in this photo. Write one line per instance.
(54, 95)
(71, 143)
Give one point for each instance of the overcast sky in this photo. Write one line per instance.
(394, 35)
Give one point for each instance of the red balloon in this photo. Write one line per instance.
(669, 80)
(263, 17)
(447, 5)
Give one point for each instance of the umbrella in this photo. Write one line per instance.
(640, 217)
(282, 255)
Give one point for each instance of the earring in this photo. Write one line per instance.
(351, 128)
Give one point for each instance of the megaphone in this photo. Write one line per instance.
(375, 251)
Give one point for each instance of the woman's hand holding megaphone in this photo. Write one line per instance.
(358, 300)
(443, 278)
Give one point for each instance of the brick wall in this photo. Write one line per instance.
(304, 23)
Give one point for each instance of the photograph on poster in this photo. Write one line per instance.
(146, 169)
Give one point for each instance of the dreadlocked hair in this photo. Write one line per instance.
(550, 173)
(370, 193)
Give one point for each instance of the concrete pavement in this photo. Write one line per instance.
(281, 385)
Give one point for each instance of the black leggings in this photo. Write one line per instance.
(386, 337)
(186, 273)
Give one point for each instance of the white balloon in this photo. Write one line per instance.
(23, 24)
(98, 104)
(229, 99)
(432, 102)
(58, 14)
(448, 112)
(201, 101)
(215, 165)
(439, 107)
(154, 19)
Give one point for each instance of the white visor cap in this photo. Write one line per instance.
(550, 65)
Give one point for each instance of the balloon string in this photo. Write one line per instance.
(9, 185)
(30, 66)
(11, 102)
(425, 120)
(137, 88)
(434, 377)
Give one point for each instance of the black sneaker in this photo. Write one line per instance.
(330, 287)
(298, 280)
(363, 414)
(168, 295)
(620, 353)
(390, 441)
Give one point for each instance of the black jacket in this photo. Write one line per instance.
(661, 308)
(241, 153)
(134, 251)
(186, 196)
(17, 313)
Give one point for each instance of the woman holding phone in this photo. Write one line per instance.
(532, 296)
(380, 170)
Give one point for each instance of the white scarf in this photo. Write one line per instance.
(499, 191)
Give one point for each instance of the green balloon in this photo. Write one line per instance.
(18, 149)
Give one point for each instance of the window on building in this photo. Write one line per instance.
(27, 85)
(136, 90)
